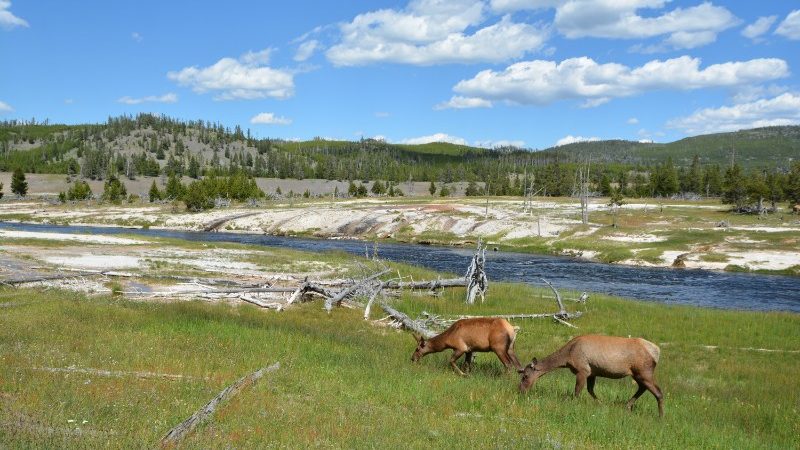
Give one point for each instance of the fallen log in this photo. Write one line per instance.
(429, 285)
(272, 305)
(184, 428)
(407, 322)
(335, 300)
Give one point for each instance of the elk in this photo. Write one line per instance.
(466, 336)
(593, 356)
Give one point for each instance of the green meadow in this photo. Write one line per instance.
(345, 382)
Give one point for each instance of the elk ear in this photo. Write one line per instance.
(534, 362)
(521, 370)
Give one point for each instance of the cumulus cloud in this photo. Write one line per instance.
(790, 27)
(430, 32)
(246, 77)
(7, 19)
(137, 37)
(633, 121)
(542, 82)
(166, 98)
(570, 139)
(781, 110)
(459, 102)
(759, 27)
(382, 114)
(305, 50)
(613, 19)
(436, 137)
(266, 118)
(500, 143)
(5, 107)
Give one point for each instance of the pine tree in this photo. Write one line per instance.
(734, 187)
(19, 185)
(792, 188)
(432, 188)
(155, 194)
(1, 190)
(113, 190)
(174, 189)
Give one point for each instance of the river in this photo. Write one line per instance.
(673, 286)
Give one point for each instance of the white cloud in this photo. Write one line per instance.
(500, 143)
(790, 27)
(5, 108)
(7, 19)
(433, 32)
(541, 82)
(614, 19)
(633, 121)
(247, 77)
(570, 139)
(645, 141)
(759, 27)
(68, 101)
(382, 114)
(459, 102)
(436, 137)
(166, 98)
(137, 37)
(265, 118)
(306, 49)
(781, 110)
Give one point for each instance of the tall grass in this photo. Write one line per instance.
(348, 383)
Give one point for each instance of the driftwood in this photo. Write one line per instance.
(215, 224)
(407, 322)
(308, 288)
(427, 285)
(372, 296)
(184, 428)
(337, 299)
(250, 299)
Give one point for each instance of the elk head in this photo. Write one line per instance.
(530, 374)
(421, 350)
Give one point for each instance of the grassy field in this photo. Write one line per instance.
(345, 382)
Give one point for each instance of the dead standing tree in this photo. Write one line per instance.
(477, 282)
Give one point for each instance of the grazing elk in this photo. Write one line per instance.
(484, 334)
(593, 356)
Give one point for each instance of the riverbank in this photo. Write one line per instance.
(698, 235)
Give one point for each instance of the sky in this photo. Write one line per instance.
(530, 73)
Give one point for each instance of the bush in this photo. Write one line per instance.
(18, 184)
(80, 190)
(114, 190)
(198, 197)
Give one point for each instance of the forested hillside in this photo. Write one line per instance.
(152, 145)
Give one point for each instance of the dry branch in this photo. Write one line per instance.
(250, 299)
(407, 322)
(375, 292)
(181, 430)
(337, 299)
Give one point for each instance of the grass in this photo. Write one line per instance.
(346, 383)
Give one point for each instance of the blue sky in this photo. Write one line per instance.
(526, 72)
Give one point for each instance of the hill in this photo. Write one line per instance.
(758, 147)
(152, 145)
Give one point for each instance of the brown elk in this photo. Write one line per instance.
(466, 336)
(593, 356)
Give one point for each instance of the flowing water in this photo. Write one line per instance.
(677, 286)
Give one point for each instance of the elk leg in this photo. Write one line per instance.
(468, 361)
(590, 386)
(580, 382)
(513, 357)
(638, 394)
(501, 353)
(656, 391)
(456, 354)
